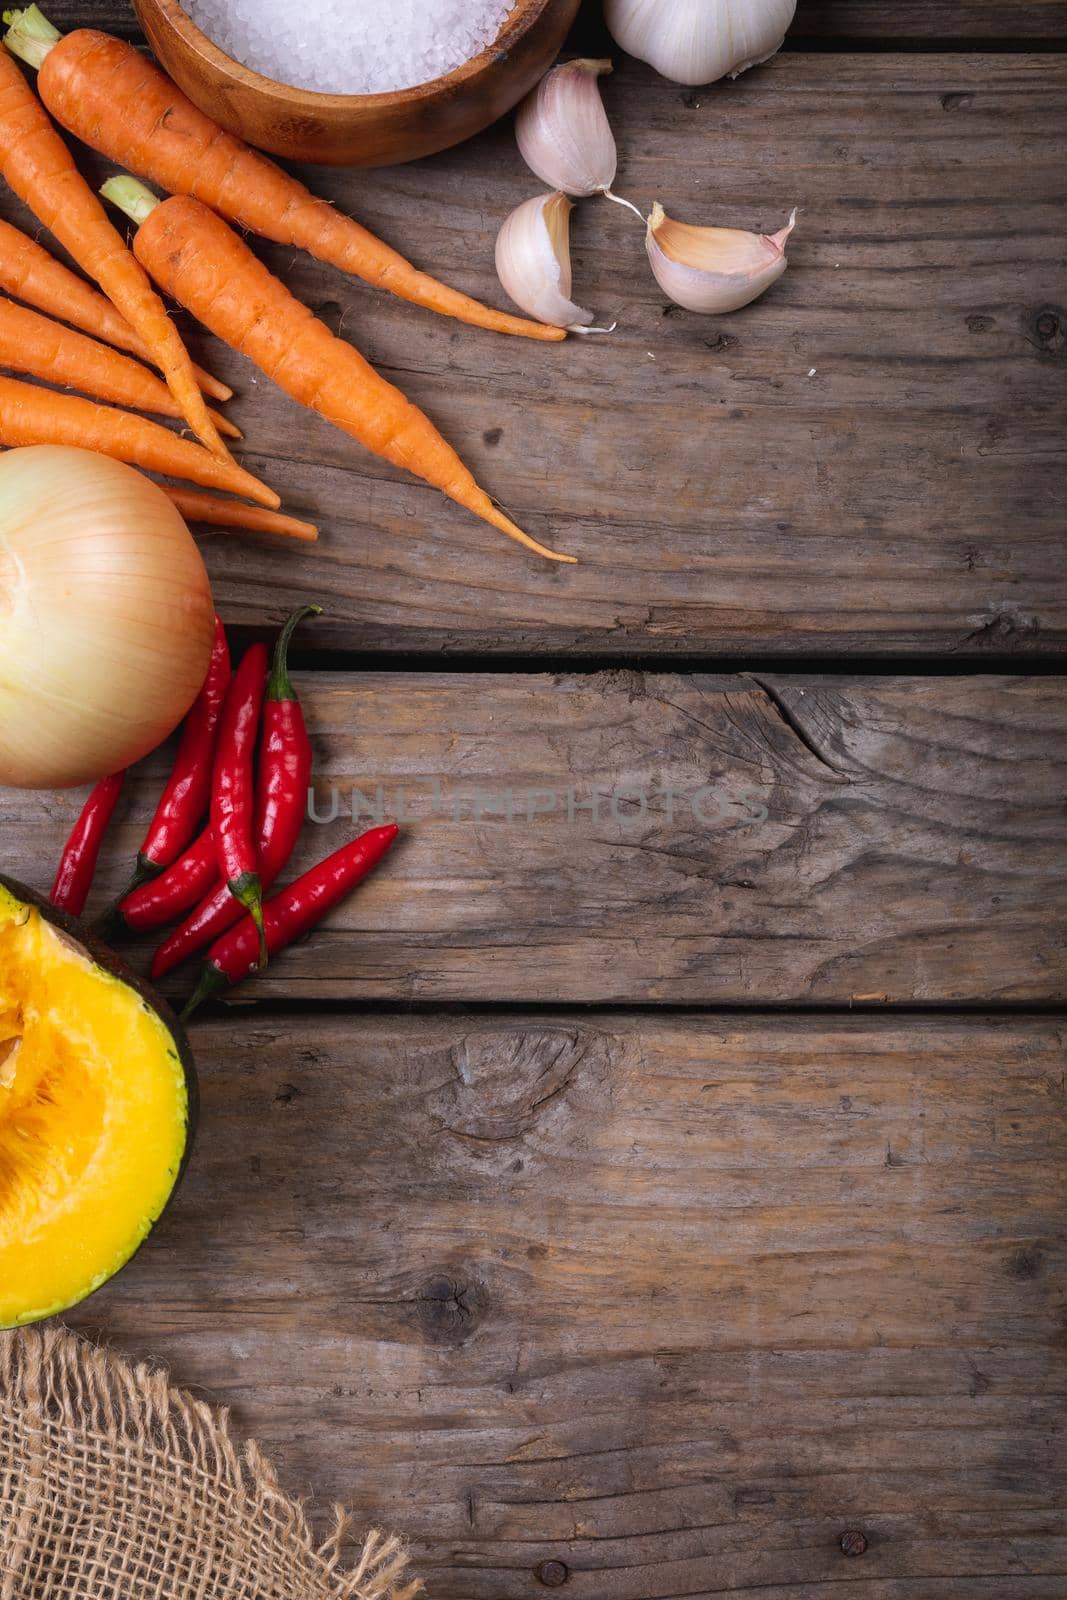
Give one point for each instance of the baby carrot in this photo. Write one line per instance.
(219, 513)
(109, 96)
(30, 342)
(205, 266)
(31, 415)
(29, 273)
(40, 169)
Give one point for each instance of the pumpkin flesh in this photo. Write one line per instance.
(94, 1116)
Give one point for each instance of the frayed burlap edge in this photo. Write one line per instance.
(56, 1379)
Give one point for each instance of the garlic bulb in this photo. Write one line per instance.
(713, 269)
(563, 131)
(698, 41)
(533, 261)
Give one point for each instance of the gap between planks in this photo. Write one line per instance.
(307, 659)
(896, 1012)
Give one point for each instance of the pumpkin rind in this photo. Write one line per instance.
(116, 1139)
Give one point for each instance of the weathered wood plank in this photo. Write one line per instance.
(814, 840)
(830, 20)
(868, 460)
(673, 1302)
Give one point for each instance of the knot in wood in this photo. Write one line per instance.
(1024, 1264)
(450, 1308)
(505, 1079)
(1045, 329)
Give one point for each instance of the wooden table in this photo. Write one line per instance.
(651, 1186)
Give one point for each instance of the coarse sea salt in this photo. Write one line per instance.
(351, 46)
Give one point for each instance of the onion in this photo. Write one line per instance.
(106, 617)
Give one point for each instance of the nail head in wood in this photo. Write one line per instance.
(553, 1574)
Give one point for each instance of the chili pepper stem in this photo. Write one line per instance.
(110, 921)
(248, 889)
(279, 687)
(211, 983)
(144, 871)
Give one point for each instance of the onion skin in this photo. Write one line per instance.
(106, 617)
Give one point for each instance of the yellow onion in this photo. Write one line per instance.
(106, 617)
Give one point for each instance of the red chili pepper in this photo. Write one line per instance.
(291, 912)
(284, 761)
(233, 787)
(77, 865)
(184, 882)
(281, 805)
(185, 799)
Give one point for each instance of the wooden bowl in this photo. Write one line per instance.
(359, 130)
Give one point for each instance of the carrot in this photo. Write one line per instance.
(29, 273)
(217, 513)
(110, 97)
(40, 169)
(206, 267)
(30, 415)
(30, 342)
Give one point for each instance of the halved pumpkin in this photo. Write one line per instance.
(97, 1107)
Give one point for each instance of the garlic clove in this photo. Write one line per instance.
(713, 270)
(699, 41)
(533, 261)
(563, 131)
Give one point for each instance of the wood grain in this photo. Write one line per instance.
(793, 840)
(867, 461)
(673, 1302)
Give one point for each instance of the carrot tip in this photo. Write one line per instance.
(513, 531)
(212, 386)
(228, 429)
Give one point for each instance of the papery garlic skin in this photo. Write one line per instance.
(533, 261)
(563, 131)
(699, 41)
(713, 270)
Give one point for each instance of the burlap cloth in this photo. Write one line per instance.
(114, 1486)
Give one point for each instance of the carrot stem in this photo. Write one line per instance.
(130, 196)
(30, 36)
